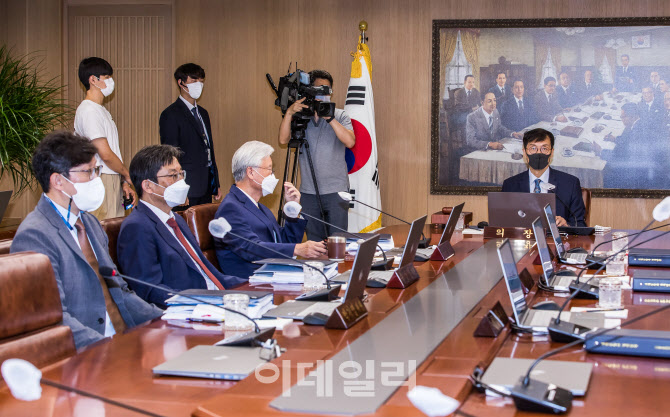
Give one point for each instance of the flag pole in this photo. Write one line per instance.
(363, 26)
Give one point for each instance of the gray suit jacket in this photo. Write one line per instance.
(477, 132)
(547, 110)
(44, 231)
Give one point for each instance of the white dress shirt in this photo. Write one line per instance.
(250, 198)
(544, 179)
(109, 327)
(164, 217)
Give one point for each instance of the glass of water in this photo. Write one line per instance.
(620, 241)
(616, 265)
(609, 293)
(313, 279)
(460, 224)
(232, 321)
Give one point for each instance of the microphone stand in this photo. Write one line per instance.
(424, 242)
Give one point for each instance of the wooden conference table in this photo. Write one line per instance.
(120, 368)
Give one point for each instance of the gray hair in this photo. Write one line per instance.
(251, 154)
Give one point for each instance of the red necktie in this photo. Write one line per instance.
(180, 236)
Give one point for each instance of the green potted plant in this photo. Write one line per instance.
(29, 108)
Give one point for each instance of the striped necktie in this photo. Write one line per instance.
(537, 189)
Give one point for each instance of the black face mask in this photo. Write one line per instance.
(538, 161)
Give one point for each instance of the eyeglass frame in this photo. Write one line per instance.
(97, 170)
(271, 169)
(550, 148)
(175, 176)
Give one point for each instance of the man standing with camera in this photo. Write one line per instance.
(327, 139)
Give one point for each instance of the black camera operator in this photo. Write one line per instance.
(327, 138)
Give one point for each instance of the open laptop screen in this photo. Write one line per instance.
(543, 249)
(451, 223)
(412, 243)
(512, 280)
(555, 234)
(361, 268)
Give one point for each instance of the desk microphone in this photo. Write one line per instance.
(424, 242)
(293, 209)
(254, 338)
(220, 227)
(23, 380)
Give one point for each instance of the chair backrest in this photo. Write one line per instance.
(586, 196)
(112, 227)
(4, 246)
(31, 311)
(198, 218)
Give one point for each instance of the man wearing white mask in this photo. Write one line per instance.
(154, 244)
(186, 125)
(94, 122)
(62, 228)
(255, 178)
(328, 140)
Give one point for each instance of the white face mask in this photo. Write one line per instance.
(175, 194)
(109, 87)
(90, 195)
(268, 184)
(195, 89)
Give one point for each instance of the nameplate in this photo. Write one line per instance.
(493, 322)
(443, 252)
(347, 314)
(491, 232)
(403, 277)
(526, 281)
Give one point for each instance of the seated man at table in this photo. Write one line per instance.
(650, 109)
(589, 87)
(546, 102)
(538, 151)
(254, 178)
(483, 129)
(518, 112)
(566, 91)
(154, 244)
(655, 81)
(62, 228)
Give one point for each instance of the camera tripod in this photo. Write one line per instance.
(297, 144)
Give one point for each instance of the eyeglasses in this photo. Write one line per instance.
(93, 173)
(269, 169)
(545, 149)
(181, 175)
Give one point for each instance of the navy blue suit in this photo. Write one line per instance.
(257, 224)
(568, 190)
(148, 251)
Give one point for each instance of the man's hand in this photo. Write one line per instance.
(218, 195)
(291, 193)
(560, 221)
(296, 107)
(598, 97)
(561, 119)
(310, 249)
(128, 192)
(517, 135)
(496, 146)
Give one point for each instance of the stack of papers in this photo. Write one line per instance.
(283, 274)
(184, 308)
(385, 241)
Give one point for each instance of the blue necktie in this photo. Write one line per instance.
(491, 124)
(537, 186)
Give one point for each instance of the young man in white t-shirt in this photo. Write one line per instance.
(94, 122)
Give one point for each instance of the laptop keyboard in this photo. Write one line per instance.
(425, 252)
(578, 257)
(324, 308)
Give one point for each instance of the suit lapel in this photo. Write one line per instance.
(54, 218)
(191, 119)
(252, 207)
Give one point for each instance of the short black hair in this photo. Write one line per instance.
(630, 110)
(537, 135)
(148, 161)
(317, 73)
(188, 70)
(625, 55)
(59, 152)
(518, 80)
(501, 72)
(548, 80)
(468, 76)
(93, 66)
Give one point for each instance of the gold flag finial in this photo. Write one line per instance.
(363, 25)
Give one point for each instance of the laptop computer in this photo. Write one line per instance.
(357, 279)
(424, 254)
(535, 320)
(517, 209)
(558, 280)
(380, 278)
(573, 376)
(5, 196)
(215, 362)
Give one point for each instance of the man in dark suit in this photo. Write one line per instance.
(467, 99)
(501, 90)
(650, 109)
(565, 91)
(546, 103)
(589, 87)
(538, 151)
(655, 81)
(187, 126)
(154, 244)
(62, 228)
(254, 178)
(625, 77)
(517, 113)
(483, 129)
